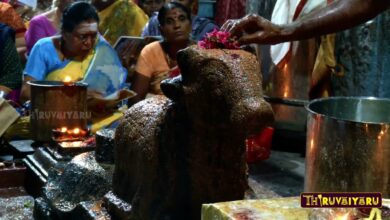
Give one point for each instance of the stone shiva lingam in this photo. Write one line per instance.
(176, 152)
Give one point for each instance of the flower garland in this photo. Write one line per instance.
(218, 40)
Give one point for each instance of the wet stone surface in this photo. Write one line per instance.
(105, 146)
(181, 152)
(80, 184)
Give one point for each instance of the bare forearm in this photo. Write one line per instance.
(140, 86)
(25, 92)
(340, 15)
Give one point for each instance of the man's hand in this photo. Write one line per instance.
(94, 102)
(253, 29)
(91, 94)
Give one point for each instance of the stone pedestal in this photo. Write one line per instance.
(117, 208)
(74, 190)
(105, 146)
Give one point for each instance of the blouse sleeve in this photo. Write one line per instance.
(34, 32)
(36, 66)
(152, 60)
(143, 65)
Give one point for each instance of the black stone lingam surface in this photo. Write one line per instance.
(171, 155)
(174, 154)
(74, 190)
(105, 146)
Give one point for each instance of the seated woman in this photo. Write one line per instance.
(200, 26)
(45, 25)
(10, 65)
(158, 59)
(79, 53)
(119, 18)
(10, 17)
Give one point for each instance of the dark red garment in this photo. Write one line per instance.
(259, 147)
(174, 72)
(229, 9)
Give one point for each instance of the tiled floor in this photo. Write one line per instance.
(281, 175)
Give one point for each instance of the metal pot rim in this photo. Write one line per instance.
(346, 98)
(47, 83)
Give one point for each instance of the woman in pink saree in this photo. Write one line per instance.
(45, 25)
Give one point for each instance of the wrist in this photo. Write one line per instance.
(287, 32)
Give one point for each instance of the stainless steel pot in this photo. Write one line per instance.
(348, 145)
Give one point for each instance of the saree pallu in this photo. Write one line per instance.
(122, 18)
(101, 70)
(10, 65)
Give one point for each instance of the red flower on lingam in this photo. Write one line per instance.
(218, 40)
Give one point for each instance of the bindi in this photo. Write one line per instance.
(175, 13)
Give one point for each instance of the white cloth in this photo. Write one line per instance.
(283, 13)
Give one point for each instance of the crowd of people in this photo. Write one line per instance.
(75, 39)
(65, 41)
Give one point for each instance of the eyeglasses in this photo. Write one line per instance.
(84, 37)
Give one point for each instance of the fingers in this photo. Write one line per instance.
(251, 38)
(253, 29)
(94, 94)
(247, 24)
(226, 27)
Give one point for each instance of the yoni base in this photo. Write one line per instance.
(38, 165)
(75, 148)
(74, 190)
(116, 207)
(44, 158)
(86, 210)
